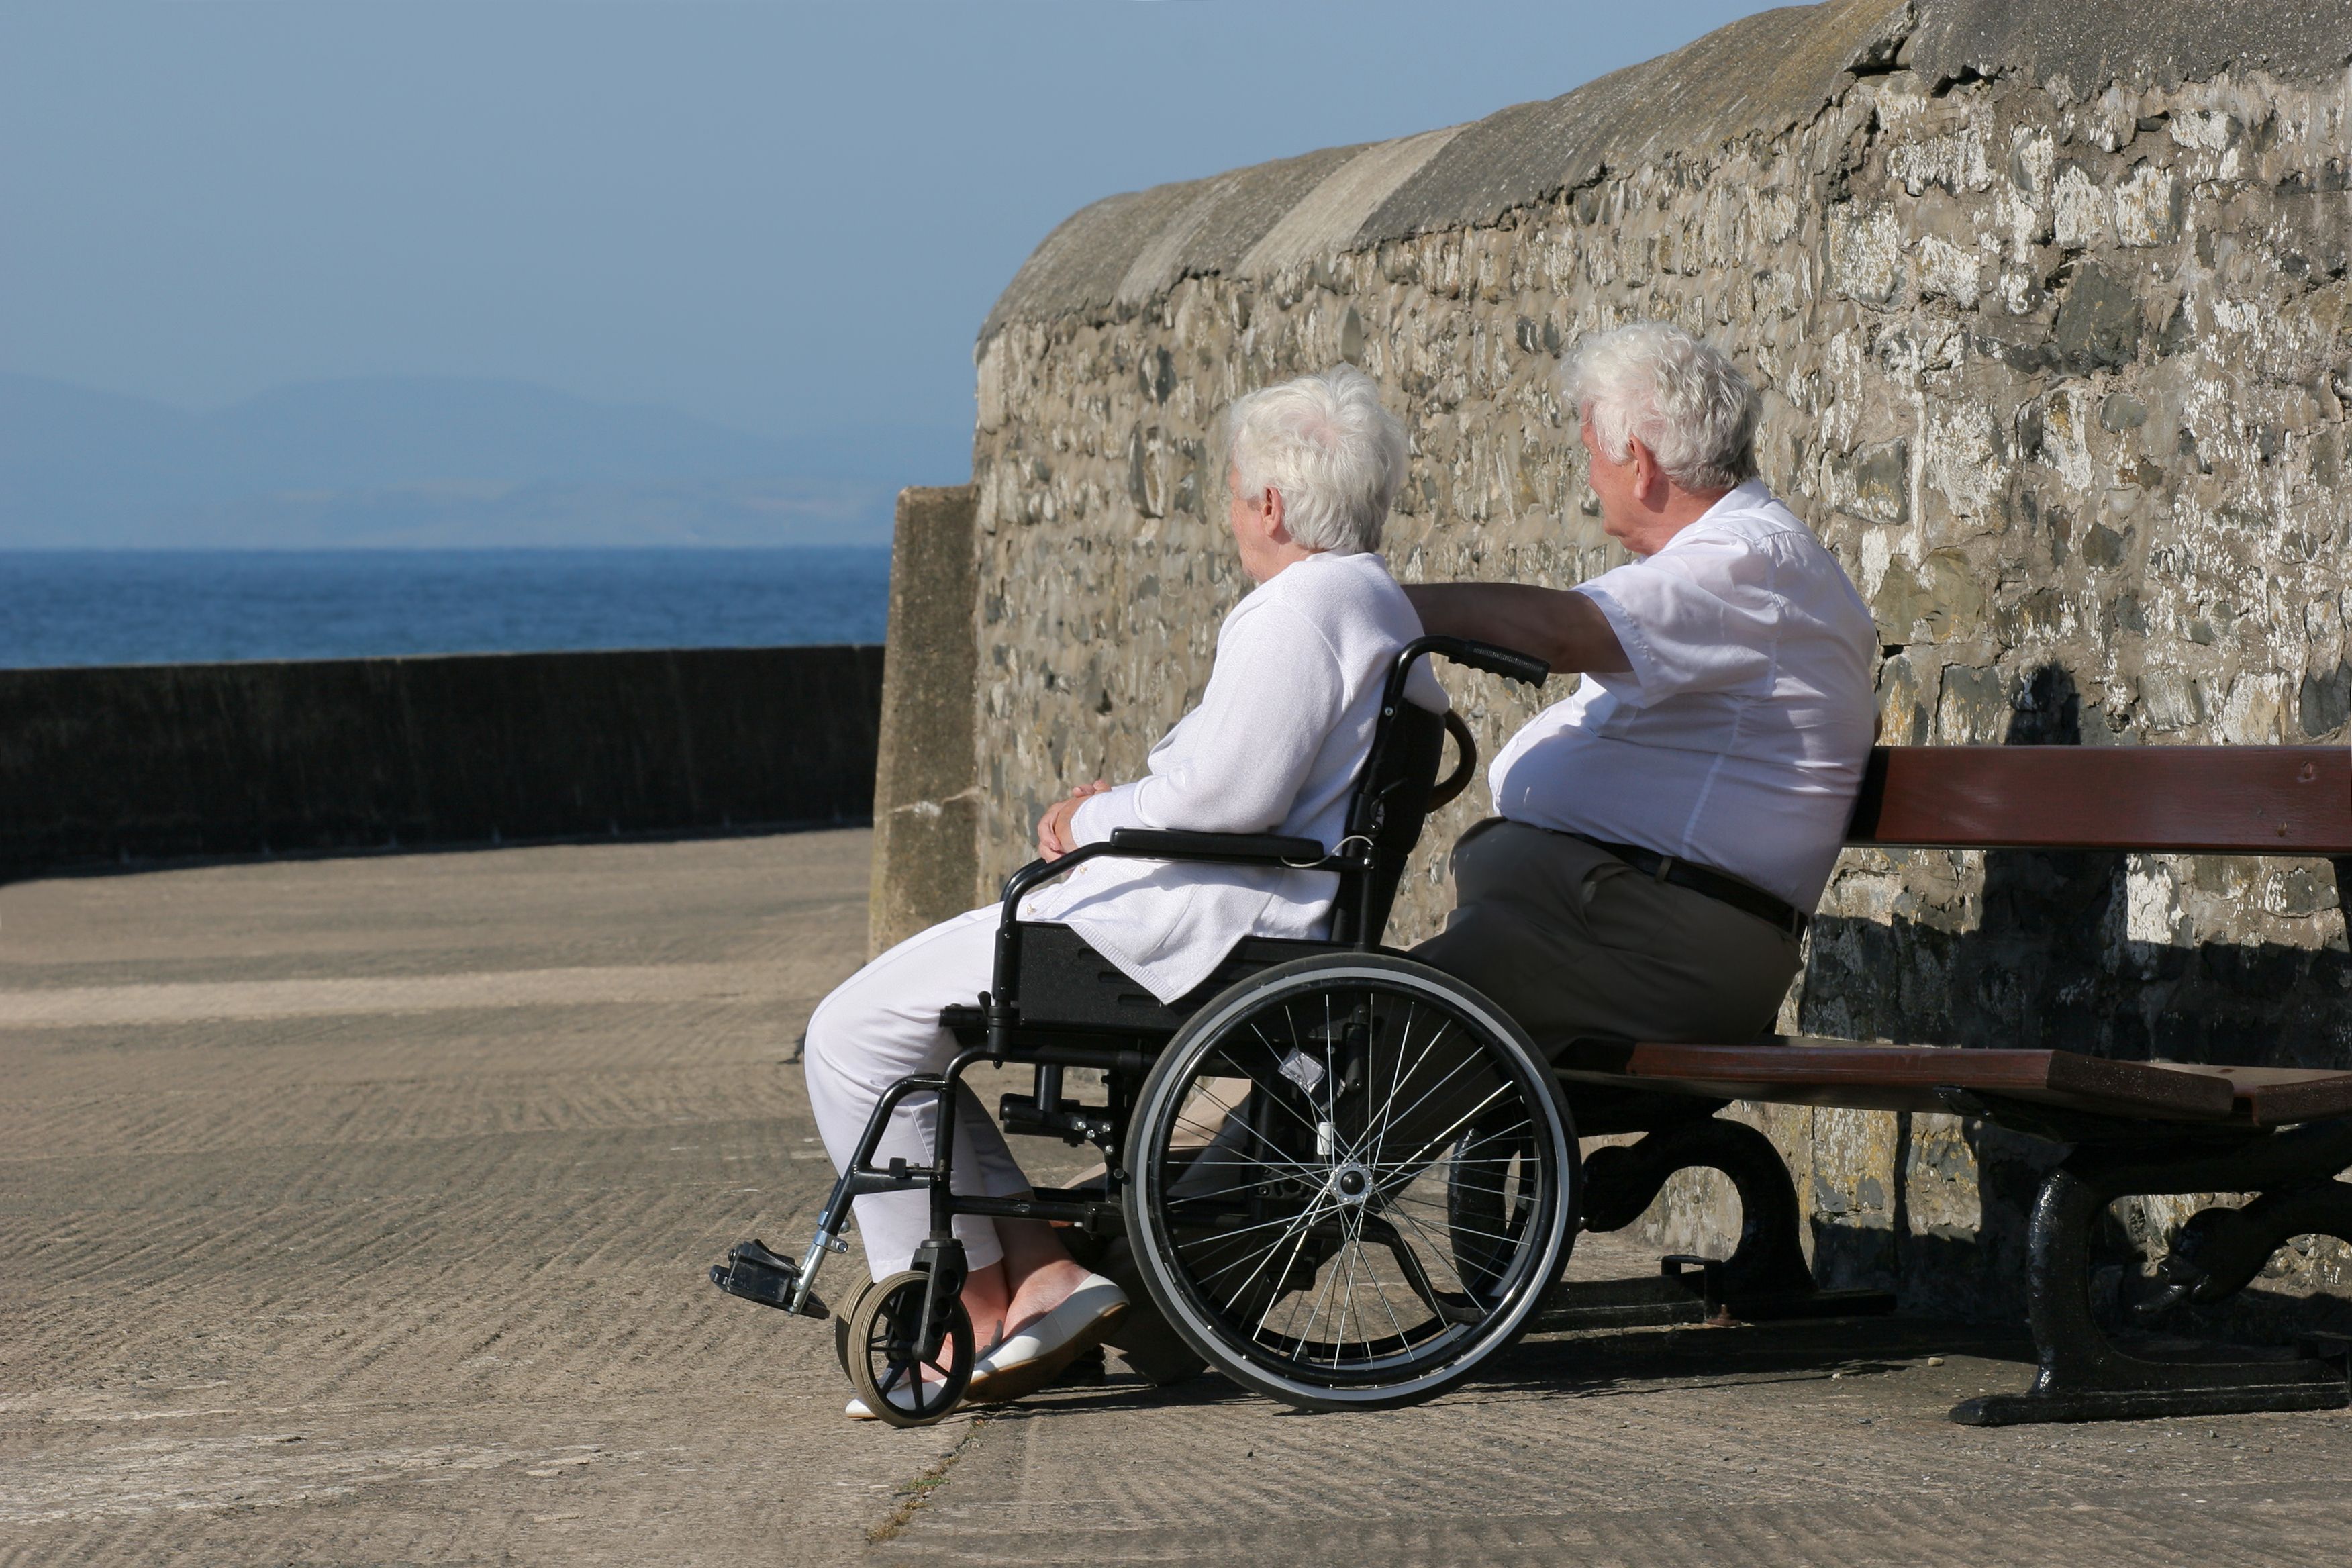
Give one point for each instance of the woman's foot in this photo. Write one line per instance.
(1035, 1354)
(987, 1296)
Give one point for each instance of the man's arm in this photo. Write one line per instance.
(1565, 630)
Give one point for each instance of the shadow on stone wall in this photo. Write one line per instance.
(2048, 963)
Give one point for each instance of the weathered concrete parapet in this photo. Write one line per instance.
(2052, 309)
(141, 761)
(925, 857)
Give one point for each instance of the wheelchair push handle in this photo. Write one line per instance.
(1509, 663)
(1495, 659)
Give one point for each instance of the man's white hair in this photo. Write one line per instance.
(1655, 383)
(1327, 444)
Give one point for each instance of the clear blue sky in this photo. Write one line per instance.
(782, 217)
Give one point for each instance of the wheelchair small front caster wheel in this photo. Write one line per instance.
(905, 1381)
(842, 1342)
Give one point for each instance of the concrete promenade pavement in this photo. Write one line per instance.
(356, 1211)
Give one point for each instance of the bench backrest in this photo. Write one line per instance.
(2243, 800)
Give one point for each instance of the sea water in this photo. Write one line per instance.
(96, 606)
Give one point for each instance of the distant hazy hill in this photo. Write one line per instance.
(434, 462)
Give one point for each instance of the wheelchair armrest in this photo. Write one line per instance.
(1170, 844)
(1152, 844)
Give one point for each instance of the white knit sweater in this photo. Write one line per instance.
(1275, 747)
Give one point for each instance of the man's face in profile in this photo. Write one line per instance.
(1618, 486)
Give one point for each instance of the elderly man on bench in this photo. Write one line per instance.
(1665, 832)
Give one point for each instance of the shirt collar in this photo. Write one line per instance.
(1745, 496)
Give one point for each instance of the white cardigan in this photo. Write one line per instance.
(1275, 747)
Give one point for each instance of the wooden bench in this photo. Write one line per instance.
(2131, 1127)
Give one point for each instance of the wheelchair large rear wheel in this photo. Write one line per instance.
(1296, 1159)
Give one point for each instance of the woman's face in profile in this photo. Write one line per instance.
(1255, 533)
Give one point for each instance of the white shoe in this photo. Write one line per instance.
(858, 1410)
(1041, 1352)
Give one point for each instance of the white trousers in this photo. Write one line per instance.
(877, 1026)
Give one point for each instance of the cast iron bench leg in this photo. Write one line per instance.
(2084, 1375)
(1766, 1276)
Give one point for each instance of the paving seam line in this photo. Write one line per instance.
(914, 1493)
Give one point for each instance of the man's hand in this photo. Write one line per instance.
(1054, 839)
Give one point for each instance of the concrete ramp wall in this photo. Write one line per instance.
(139, 762)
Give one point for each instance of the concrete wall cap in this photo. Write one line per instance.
(1759, 76)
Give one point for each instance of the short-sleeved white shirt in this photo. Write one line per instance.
(1739, 738)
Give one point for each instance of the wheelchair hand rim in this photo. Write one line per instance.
(1402, 1367)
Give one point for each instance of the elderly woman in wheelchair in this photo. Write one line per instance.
(1343, 1178)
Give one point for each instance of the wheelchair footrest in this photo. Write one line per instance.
(756, 1274)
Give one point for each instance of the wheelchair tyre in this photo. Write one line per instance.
(840, 1320)
(887, 1355)
(1313, 1250)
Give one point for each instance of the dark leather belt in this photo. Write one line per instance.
(1726, 889)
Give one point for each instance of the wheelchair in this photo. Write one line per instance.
(1346, 1179)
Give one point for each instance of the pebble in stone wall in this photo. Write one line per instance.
(2059, 378)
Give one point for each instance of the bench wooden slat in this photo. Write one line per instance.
(1809, 1070)
(2277, 800)
(2279, 1097)
(1803, 1070)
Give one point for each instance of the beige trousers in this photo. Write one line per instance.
(1572, 941)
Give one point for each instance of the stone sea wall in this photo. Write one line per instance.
(2057, 345)
(120, 763)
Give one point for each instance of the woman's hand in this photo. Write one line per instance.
(1054, 839)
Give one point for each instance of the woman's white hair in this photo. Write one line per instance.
(1655, 383)
(1328, 445)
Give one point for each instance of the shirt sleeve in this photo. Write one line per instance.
(1098, 816)
(1698, 617)
(1236, 762)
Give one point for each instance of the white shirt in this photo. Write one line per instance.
(1737, 740)
(1275, 747)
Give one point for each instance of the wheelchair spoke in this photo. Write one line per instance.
(1332, 1070)
(1257, 1258)
(1390, 1117)
(1426, 1149)
(1294, 1258)
(1347, 1304)
(1329, 1275)
(1457, 1229)
(1305, 1172)
(1380, 1227)
(1299, 1224)
(1275, 1054)
(1451, 1074)
(1446, 1253)
(1244, 1230)
(1462, 1149)
(1397, 1080)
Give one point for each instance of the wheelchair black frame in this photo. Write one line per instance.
(1358, 911)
